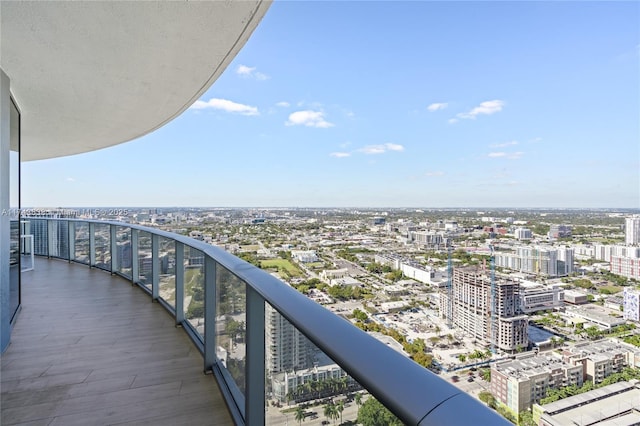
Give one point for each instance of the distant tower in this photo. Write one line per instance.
(632, 230)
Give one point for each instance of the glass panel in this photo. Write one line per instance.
(59, 239)
(194, 288)
(14, 207)
(231, 319)
(40, 231)
(82, 242)
(304, 384)
(167, 255)
(145, 261)
(123, 250)
(103, 246)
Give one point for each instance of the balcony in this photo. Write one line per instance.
(89, 347)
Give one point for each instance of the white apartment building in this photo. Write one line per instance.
(632, 230)
(549, 261)
(287, 348)
(522, 234)
(626, 266)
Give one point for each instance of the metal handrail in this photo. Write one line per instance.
(411, 392)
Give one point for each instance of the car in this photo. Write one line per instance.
(455, 379)
(470, 379)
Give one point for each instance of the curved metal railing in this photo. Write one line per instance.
(210, 292)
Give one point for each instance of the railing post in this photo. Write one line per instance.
(135, 264)
(255, 359)
(92, 244)
(71, 231)
(155, 267)
(179, 283)
(114, 248)
(209, 313)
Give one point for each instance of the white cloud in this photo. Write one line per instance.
(381, 149)
(283, 104)
(226, 105)
(340, 154)
(437, 106)
(70, 179)
(245, 70)
(250, 72)
(485, 108)
(503, 145)
(508, 155)
(452, 121)
(308, 118)
(434, 174)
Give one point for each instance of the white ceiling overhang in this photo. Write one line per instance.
(92, 74)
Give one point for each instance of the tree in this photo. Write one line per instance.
(487, 398)
(373, 413)
(462, 357)
(526, 419)
(299, 414)
(340, 408)
(330, 411)
(358, 399)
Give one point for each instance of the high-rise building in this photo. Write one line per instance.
(632, 230)
(559, 231)
(626, 266)
(473, 309)
(287, 348)
(523, 234)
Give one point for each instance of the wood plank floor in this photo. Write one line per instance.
(90, 349)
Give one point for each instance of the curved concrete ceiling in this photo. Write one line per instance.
(88, 75)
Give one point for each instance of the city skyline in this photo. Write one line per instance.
(392, 104)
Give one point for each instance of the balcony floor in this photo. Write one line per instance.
(90, 349)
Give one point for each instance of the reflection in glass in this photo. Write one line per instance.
(40, 231)
(59, 239)
(123, 250)
(167, 254)
(82, 242)
(14, 208)
(231, 302)
(194, 288)
(302, 382)
(145, 260)
(103, 246)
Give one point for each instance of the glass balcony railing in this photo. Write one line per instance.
(278, 356)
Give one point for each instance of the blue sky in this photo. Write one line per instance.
(391, 104)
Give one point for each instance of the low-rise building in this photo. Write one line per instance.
(615, 404)
(593, 316)
(304, 256)
(602, 358)
(540, 298)
(519, 383)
